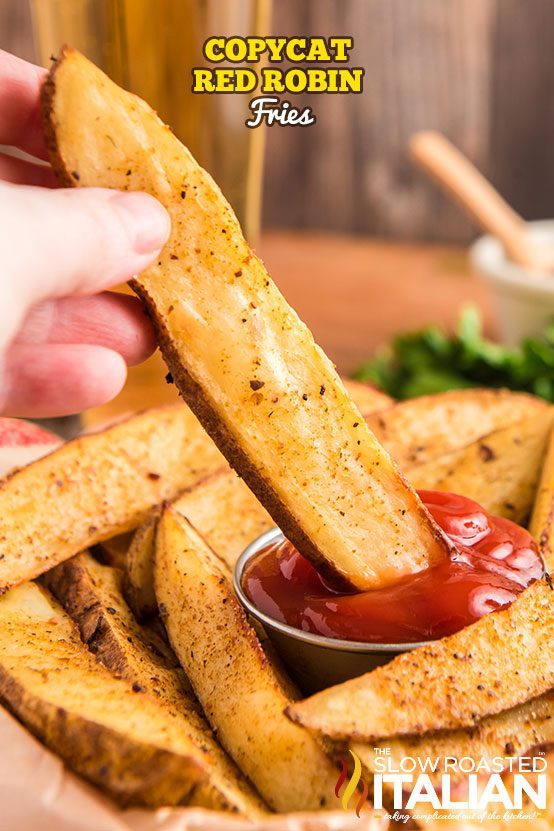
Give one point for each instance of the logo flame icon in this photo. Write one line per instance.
(352, 784)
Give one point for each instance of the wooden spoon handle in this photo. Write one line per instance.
(451, 169)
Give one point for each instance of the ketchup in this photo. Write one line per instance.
(495, 560)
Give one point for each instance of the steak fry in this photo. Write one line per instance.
(242, 690)
(242, 359)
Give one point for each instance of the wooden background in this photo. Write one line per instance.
(480, 70)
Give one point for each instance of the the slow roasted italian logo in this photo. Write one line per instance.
(351, 788)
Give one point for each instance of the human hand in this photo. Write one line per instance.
(64, 341)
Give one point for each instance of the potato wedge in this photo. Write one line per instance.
(119, 738)
(510, 733)
(500, 471)
(500, 661)
(92, 595)
(138, 586)
(422, 429)
(245, 363)
(226, 514)
(97, 486)
(367, 399)
(221, 508)
(242, 694)
(542, 518)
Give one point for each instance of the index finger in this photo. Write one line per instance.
(20, 125)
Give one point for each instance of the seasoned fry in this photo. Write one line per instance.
(500, 661)
(221, 508)
(273, 402)
(546, 540)
(242, 694)
(367, 399)
(139, 570)
(542, 519)
(499, 471)
(116, 736)
(313, 451)
(226, 514)
(97, 486)
(510, 733)
(87, 590)
(91, 593)
(422, 429)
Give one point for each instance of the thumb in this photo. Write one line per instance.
(55, 243)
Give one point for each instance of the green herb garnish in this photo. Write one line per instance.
(430, 361)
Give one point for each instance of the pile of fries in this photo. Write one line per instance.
(157, 653)
(122, 644)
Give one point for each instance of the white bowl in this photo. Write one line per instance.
(524, 299)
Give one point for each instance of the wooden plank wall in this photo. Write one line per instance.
(480, 70)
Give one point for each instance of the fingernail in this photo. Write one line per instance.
(147, 222)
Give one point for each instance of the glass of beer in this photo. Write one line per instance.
(150, 48)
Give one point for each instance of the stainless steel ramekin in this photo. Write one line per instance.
(314, 661)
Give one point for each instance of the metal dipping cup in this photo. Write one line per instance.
(314, 661)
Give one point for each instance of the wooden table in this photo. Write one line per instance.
(354, 293)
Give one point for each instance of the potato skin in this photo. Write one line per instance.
(91, 594)
(132, 774)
